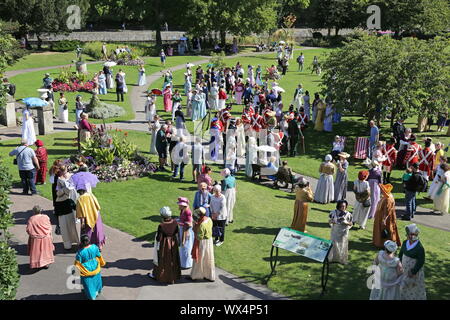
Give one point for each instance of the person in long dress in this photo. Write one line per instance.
(303, 195)
(176, 103)
(142, 81)
(389, 274)
(374, 179)
(229, 189)
(88, 211)
(186, 233)
(28, 132)
(154, 126)
(187, 83)
(306, 105)
(42, 157)
(123, 74)
(441, 197)
(320, 116)
(202, 198)
(63, 108)
(340, 185)
(222, 98)
(297, 102)
(325, 187)
(385, 222)
(340, 221)
(89, 262)
(40, 240)
(167, 93)
(150, 107)
(166, 254)
(251, 156)
(198, 106)
(239, 91)
(65, 207)
(412, 256)
(240, 138)
(102, 87)
(437, 181)
(213, 97)
(362, 195)
(328, 120)
(203, 250)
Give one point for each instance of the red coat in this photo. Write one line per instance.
(223, 117)
(258, 122)
(391, 153)
(222, 95)
(42, 156)
(302, 120)
(412, 153)
(426, 160)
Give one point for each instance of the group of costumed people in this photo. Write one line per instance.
(188, 242)
(74, 204)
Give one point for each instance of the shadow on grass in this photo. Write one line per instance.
(257, 230)
(153, 218)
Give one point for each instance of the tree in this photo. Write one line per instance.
(8, 47)
(237, 17)
(427, 16)
(41, 16)
(405, 77)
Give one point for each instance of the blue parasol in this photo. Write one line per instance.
(35, 102)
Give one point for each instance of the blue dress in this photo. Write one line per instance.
(87, 257)
(199, 107)
(202, 201)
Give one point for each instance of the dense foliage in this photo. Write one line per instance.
(65, 45)
(9, 277)
(382, 76)
(100, 110)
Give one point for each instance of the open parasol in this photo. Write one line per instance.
(35, 102)
(189, 65)
(156, 91)
(266, 149)
(84, 180)
(278, 89)
(110, 64)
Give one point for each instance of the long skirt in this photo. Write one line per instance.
(41, 174)
(174, 109)
(325, 189)
(167, 103)
(40, 251)
(441, 201)
(63, 114)
(222, 103)
(185, 250)
(28, 132)
(142, 80)
(360, 214)
(340, 186)
(150, 112)
(187, 87)
(153, 143)
(214, 103)
(230, 195)
(434, 187)
(412, 288)
(300, 216)
(205, 266)
(238, 97)
(339, 251)
(69, 232)
(96, 235)
(92, 285)
(374, 196)
(110, 81)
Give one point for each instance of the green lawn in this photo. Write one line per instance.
(246, 250)
(45, 59)
(27, 84)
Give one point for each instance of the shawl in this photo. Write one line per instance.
(88, 208)
(85, 272)
(39, 226)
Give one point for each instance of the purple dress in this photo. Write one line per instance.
(374, 179)
(96, 235)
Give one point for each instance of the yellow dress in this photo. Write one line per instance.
(321, 106)
(303, 196)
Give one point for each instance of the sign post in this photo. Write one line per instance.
(305, 245)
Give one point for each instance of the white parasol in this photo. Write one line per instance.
(189, 65)
(110, 64)
(281, 42)
(266, 149)
(278, 89)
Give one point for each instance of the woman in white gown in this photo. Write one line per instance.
(63, 108)
(154, 127)
(340, 221)
(142, 81)
(122, 74)
(150, 107)
(441, 197)
(28, 133)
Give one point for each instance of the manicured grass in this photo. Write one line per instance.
(132, 206)
(27, 85)
(45, 59)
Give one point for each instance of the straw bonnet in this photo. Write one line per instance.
(344, 155)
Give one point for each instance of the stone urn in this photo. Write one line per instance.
(81, 67)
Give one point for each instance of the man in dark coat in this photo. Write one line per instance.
(294, 135)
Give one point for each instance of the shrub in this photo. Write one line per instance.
(65, 45)
(94, 49)
(9, 276)
(100, 110)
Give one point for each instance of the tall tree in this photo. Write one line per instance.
(41, 16)
(410, 76)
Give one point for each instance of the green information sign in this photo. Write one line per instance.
(303, 244)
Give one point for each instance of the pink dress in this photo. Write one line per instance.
(40, 241)
(167, 100)
(206, 179)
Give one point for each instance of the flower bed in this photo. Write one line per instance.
(74, 86)
(111, 157)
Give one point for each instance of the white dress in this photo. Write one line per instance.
(442, 196)
(154, 127)
(436, 184)
(150, 108)
(142, 80)
(339, 236)
(63, 114)
(361, 213)
(125, 88)
(28, 133)
(387, 285)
